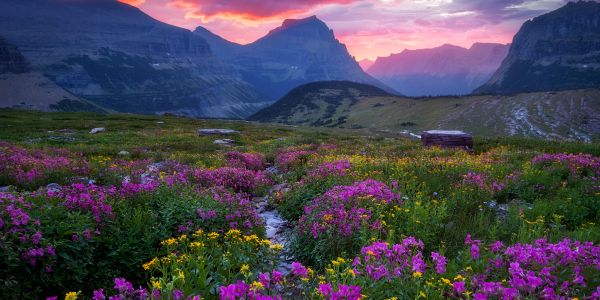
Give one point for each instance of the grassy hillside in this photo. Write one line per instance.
(571, 114)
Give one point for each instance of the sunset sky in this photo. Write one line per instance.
(370, 28)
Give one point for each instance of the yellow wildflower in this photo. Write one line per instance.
(72, 295)
(258, 285)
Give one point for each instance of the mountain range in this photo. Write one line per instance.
(297, 52)
(118, 57)
(444, 70)
(555, 51)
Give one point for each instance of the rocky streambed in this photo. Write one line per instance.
(277, 228)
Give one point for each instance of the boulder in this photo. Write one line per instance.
(225, 142)
(279, 187)
(54, 187)
(447, 139)
(167, 114)
(202, 132)
(123, 153)
(98, 130)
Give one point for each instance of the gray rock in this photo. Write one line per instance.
(123, 153)
(54, 187)
(203, 132)
(98, 130)
(160, 122)
(280, 187)
(447, 139)
(5, 189)
(272, 169)
(225, 142)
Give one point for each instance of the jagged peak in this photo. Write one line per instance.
(202, 29)
(291, 23)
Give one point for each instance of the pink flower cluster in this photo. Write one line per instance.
(344, 209)
(239, 211)
(238, 179)
(31, 168)
(551, 270)
(381, 261)
(334, 168)
(86, 197)
(287, 160)
(482, 182)
(126, 291)
(243, 291)
(572, 160)
(18, 230)
(349, 292)
(250, 161)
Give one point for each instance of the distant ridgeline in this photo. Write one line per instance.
(556, 51)
(315, 103)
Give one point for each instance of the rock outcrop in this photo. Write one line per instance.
(11, 59)
(445, 70)
(118, 57)
(447, 139)
(298, 52)
(555, 51)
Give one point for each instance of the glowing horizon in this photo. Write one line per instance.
(369, 28)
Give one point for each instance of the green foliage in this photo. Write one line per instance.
(209, 261)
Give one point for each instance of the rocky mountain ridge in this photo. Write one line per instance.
(444, 70)
(11, 59)
(298, 52)
(555, 51)
(120, 58)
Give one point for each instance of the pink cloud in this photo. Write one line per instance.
(478, 35)
(422, 22)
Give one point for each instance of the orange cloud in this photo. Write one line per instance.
(249, 9)
(241, 17)
(133, 2)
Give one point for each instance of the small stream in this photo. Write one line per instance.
(276, 227)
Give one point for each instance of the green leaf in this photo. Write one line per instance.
(64, 255)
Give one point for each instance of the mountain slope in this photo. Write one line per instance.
(315, 103)
(571, 114)
(445, 70)
(23, 88)
(557, 50)
(298, 52)
(120, 58)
